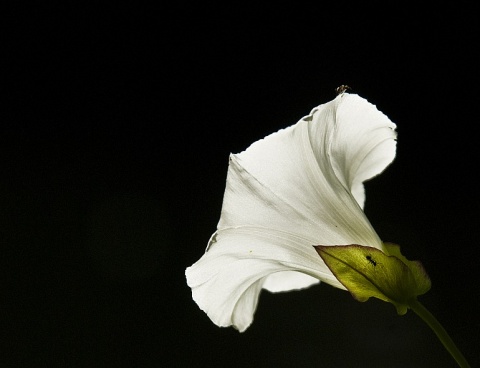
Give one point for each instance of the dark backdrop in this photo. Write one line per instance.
(114, 143)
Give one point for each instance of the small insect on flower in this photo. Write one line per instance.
(341, 89)
(371, 260)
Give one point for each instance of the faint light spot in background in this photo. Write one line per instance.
(129, 237)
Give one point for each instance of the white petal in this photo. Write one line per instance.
(226, 282)
(363, 144)
(299, 187)
(300, 179)
(288, 280)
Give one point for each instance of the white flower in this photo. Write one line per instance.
(299, 187)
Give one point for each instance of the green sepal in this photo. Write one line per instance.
(368, 272)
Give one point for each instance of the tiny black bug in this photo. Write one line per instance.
(371, 260)
(342, 89)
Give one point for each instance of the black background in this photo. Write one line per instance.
(114, 145)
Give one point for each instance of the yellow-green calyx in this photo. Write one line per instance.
(368, 272)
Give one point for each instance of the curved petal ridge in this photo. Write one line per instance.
(364, 142)
(336, 205)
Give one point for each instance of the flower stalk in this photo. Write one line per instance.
(441, 333)
(389, 276)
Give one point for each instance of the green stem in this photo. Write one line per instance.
(424, 314)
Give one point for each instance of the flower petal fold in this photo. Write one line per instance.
(296, 188)
(226, 284)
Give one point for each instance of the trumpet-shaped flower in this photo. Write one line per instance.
(299, 187)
